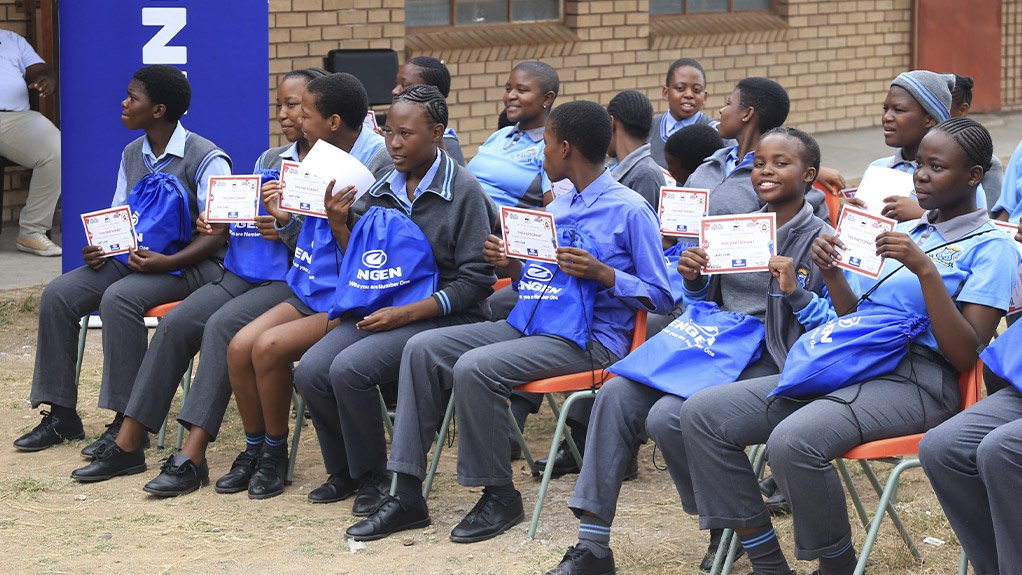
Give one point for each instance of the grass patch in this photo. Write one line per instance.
(25, 486)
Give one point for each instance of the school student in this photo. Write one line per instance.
(788, 300)
(633, 166)
(485, 361)
(684, 90)
(431, 72)
(252, 283)
(339, 375)
(961, 105)
(950, 266)
(122, 288)
(1009, 204)
(260, 356)
(509, 164)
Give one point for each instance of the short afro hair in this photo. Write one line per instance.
(634, 111)
(768, 98)
(307, 74)
(433, 73)
(341, 94)
(585, 125)
(691, 145)
(168, 86)
(810, 149)
(544, 73)
(684, 63)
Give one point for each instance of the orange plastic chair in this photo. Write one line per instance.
(832, 197)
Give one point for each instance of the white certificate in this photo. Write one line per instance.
(370, 121)
(561, 187)
(669, 179)
(329, 162)
(232, 199)
(110, 229)
(681, 209)
(879, 183)
(529, 234)
(740, 243)
(858, 230)
(1016, 294)
(301, 192)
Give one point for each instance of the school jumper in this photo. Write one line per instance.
(453, 146)
(664, 125)
(338, 376)
(509, 167)
(804, 437)
(627, 412)
(119, 294)
(485, 361)
(638, 172)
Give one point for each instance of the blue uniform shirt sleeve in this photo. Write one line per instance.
(992, 276)
(216, 167)
(1010, 188)
(694, 293)
(650, 280)
(811, 310)
(121, 189)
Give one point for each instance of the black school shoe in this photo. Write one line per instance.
(373, 490)
(52, 430)
(490, 517)
(392, 516)
(564, 463)
(108, 437)
(336, 488)
(178, 476)
(237, 479)
(111, 461)
(581, 561)
(270, 472)
(711, 553)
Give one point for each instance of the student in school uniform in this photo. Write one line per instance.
(684, 90)
(961, 105)
(788, 299)
(260, 356)
(252, 283)
(339, 375)
(484, 362)
(122, 288)
(1009, 204)
(962, 282)
(633, 166)
(431, 72)
(509, 164)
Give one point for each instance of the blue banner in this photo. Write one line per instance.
(223, 47)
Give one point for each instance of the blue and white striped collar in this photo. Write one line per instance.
(442, 184)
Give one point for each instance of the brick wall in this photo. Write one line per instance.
(1011, 53)
(14, 179)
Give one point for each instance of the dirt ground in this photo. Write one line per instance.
(50, 524)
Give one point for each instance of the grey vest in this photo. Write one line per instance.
(270, 159)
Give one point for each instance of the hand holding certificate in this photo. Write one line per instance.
(303, 186)
(300, 191)
(232, 199)
(529, 234)
(111, 230)
(858, 229)
(741, 243)
(681, 209)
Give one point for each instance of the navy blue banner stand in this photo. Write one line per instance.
(223, 47)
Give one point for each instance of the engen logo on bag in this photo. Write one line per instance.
(536, 278)
(694, 335)
(376, 259)
(825, 330)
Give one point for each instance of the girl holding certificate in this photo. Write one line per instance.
(947, 278)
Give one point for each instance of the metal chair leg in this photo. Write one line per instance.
(299, 403)
(895, 516)
(727, 550)
(427, 485)
(887, 497)
(387, 423)
(526, 453)
(963, 564)
(186, 386)
(81, 348)
(860, 510)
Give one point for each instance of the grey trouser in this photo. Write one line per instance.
(482, 362)
(974, 461)
(30, 139)
(802, 439)
(338, 378)
(626, 412)
(207, 320)
(122, 297)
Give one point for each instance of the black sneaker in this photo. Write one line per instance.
(580, 561)
(178, 476)
(236, 480)
(111, 461)
(269, 477)
(52, 430)
(488, 518)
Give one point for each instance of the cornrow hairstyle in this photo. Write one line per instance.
(307, 74)
(691, 145)
(341, 94)
(972, 137)
(548, 79)
(168, 86)
(430, 98)
(634, 111)
(768, 98)
(684, 63)
(585, 125)
(433, 72)
(810, 149)
(962, 93)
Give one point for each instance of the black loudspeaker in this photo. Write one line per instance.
(376, 69)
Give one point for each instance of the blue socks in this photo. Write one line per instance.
(254, 442)
(594, 535)
(840, 562)
(764, 551)
(275, 443)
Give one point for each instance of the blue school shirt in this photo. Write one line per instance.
(668, 125)
(509, 167)
(398, 183)
(626, 233)
(731, 162)
(898, 162)
(217, 166)
(980, 270)
(1010, 200)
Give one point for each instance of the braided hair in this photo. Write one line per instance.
(433, 72)
(810, 149)
(972, 137)
(962, 92)
(634, 111)
(429, 97)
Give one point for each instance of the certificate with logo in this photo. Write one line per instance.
(111, 229)
(529, 234)
(232, 199)
(300, 191)
(681, 209)
(858, 230)
(1016, 294)
(735, 244)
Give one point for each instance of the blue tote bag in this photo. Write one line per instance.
(846, 351)
(313, 273)
(703, 348)
(161, 212)
(251, 257)
(389, 262)
(1003, 357)
(673, 254)
(551, 302)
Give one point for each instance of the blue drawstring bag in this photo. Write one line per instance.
(251, 257)
(703, 348)
(389, 262)
(551, 302)
(673, 254)
(161, 213)
(1003, 357)
(848, 350)
(314, 268)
